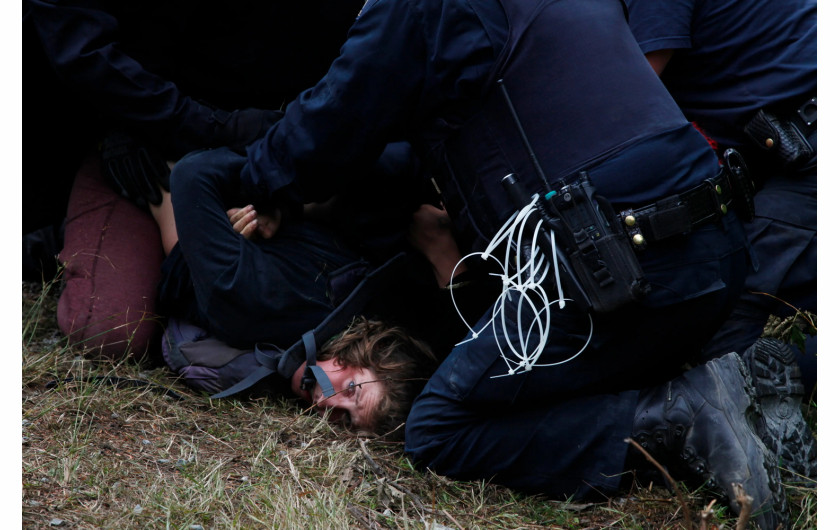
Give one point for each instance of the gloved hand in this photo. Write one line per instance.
(136, 172)
(242, 127)
(203, 126)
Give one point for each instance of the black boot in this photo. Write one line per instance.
(699, 426)
(778, 384)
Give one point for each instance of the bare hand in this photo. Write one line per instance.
(431, 234)
(248, 222)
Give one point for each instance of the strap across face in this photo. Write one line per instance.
(314, 373)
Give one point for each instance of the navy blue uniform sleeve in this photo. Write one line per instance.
(81, 40)
(661, 24)
(403, 62)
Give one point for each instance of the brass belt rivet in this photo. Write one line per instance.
(638, 239)
(723, 208)
(630, 220)
(768, 142)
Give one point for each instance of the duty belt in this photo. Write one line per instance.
(678, 214)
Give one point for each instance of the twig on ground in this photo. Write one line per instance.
(745, 501)
(686, 513)
(452, 519)
(389, 433)
(377, 469)
(414, 498)
(354, 511)
(799, 312)
(706, 514)
(379, 472)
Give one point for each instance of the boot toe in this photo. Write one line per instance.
(701, 425)
(725, 433)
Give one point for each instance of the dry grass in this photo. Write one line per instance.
(95, 455)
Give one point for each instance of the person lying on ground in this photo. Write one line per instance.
(248, 278)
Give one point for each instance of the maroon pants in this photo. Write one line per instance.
(112, 254)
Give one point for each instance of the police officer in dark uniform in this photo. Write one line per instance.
(577, 104)
(746, 72)
(148, 82)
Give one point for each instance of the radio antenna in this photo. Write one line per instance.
(522, 135)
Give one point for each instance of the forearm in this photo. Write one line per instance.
(82, 41)
(659, 59)
(343, 123)
(404, 62)
(430, 233)
(165, 218)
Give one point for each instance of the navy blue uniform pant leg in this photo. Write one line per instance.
(560, 428)
(554, 429)
(783, 237)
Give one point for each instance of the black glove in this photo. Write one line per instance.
(242, 127)
(135, 171)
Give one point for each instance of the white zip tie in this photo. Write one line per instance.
(521, 277)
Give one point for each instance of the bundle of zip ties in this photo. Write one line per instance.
(523, 308)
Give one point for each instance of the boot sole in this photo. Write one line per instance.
(738, 396)
(778, 384)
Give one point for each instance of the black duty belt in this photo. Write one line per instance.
(680, 213)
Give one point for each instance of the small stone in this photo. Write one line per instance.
(180, 463)
(114, 415)
(146, 442)
(196, 527)
(57, 522)
(163, 461)
(138, 509)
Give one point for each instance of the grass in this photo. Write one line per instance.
(95, 455)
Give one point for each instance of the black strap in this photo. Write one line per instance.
(269, 357)
(285, 362)
(321, 377)
(314, 373)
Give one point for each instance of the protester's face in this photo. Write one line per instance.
(357, 395)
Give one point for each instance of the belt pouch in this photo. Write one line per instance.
(782, 138)
(598, 251)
